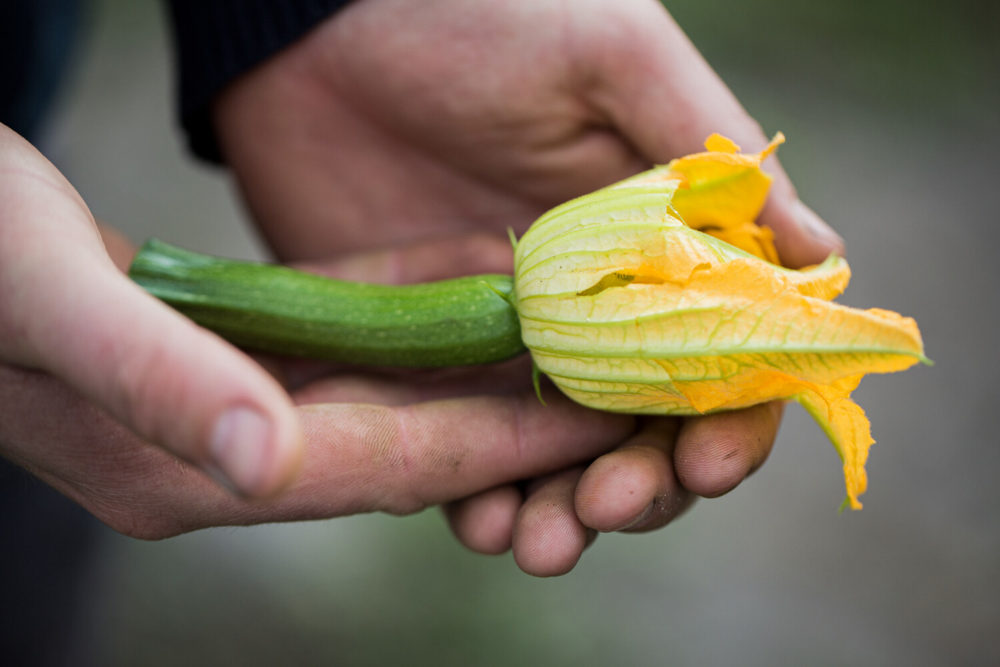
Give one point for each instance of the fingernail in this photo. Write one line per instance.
(639, 520)
(819, 230)
(239, 448)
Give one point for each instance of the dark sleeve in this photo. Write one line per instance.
(217, 40)
(38, 39)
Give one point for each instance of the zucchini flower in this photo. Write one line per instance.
(659, 295)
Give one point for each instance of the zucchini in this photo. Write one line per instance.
(276, 309)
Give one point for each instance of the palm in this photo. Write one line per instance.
(488, 128)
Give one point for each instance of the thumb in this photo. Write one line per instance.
(666, 99)
(173, 383)
(66, 309)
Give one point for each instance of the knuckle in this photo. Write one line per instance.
(376, 445)
(403, 497)
(135, 493)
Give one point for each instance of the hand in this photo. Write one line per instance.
(476, 117)
(110, 397)
(67, 311)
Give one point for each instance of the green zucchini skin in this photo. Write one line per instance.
(276, 309)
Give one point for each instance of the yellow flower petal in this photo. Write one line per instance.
(724, 192)
(716, 143)
(720, 192)
(751, 237)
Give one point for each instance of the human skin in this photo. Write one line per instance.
(418, 133)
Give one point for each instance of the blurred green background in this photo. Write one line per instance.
(890, 108)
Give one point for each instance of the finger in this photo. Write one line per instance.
(634, 488)
(404, 459)
(548, 537)
(662, 94)
(716, 452)
(484, 523)
(375, 458)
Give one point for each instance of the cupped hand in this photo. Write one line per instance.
(396, 123)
